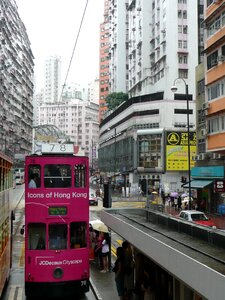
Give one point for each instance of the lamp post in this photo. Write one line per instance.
(115, 155)
(174, 89)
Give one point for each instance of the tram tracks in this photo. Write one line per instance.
(167, 234)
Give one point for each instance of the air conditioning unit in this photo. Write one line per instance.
(195, 157)
(203, 132)
(205, 105)
(202, 156)
(221, 58)
(216, 156)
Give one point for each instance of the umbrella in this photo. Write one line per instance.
(174, 194)
(187, 199)
(99, 226)
(184, 195)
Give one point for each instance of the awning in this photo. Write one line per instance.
(198, 184)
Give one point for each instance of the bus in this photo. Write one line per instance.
(6, 219)
(56, 223)
(19, 175)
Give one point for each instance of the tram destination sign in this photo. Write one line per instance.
(57, 211)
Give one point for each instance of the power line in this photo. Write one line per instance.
(71, 59)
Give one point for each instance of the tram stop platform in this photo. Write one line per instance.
(103, 285)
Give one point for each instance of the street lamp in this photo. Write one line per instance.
(174, 89)
(115, 155)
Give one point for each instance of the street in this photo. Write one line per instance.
(15, 287)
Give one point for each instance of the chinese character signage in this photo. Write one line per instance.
(177, 150)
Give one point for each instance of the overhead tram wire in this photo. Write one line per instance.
(71, 59)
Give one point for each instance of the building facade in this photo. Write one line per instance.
(104, 62)
(76, 118)
(16, 88)
(159, 56)
(52, 88)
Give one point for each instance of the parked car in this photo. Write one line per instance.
(93, 200)
(197, 217)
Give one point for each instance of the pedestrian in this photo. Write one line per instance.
(119, 272)
(128, 269)
(148, 285)
(33, 183)
(98, 249)
(105, 253)
(179, 202)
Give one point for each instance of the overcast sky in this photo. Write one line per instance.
(52, 27)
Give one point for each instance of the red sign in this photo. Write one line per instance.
(220, 186)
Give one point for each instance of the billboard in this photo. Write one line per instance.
(177, 150)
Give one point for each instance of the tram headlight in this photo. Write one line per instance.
(58, 273)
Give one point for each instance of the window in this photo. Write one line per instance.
(34, 173)
(57, 176)
(213, 125)
(78, 232)
(36, 236)
(150, 151)
(183, 73)
(80, 179)
(57, 236)
(216, 90)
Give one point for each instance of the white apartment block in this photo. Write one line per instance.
(162, 50)
(52, 88)
(118, 28)
(78, 119)
(152, 45)
(163, 45)
(93, 91)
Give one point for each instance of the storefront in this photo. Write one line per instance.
(204, 180)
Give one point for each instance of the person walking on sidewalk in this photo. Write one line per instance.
(105, 253)
(119, 272)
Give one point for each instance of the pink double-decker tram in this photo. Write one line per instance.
(56, 223)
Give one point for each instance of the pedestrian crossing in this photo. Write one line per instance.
(15, 293)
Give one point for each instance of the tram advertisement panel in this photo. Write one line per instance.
(177, 150)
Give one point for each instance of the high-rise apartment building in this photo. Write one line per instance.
(161, 46)
(104, 62)
(93, 91)
(16, 88)
(76, 118)
(52, 88)
(118, 38)
(214, 105)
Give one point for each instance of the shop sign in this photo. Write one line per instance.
(220, 186)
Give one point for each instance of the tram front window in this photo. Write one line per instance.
(56, 176)
(36, 236)
(57, 236)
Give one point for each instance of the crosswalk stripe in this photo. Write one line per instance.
(15, 293)
(12, 293)
(20, 293)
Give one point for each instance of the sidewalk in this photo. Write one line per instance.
(103, 284)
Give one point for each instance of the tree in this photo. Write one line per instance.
(113, 100)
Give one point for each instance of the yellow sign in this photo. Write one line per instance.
(177, 150)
